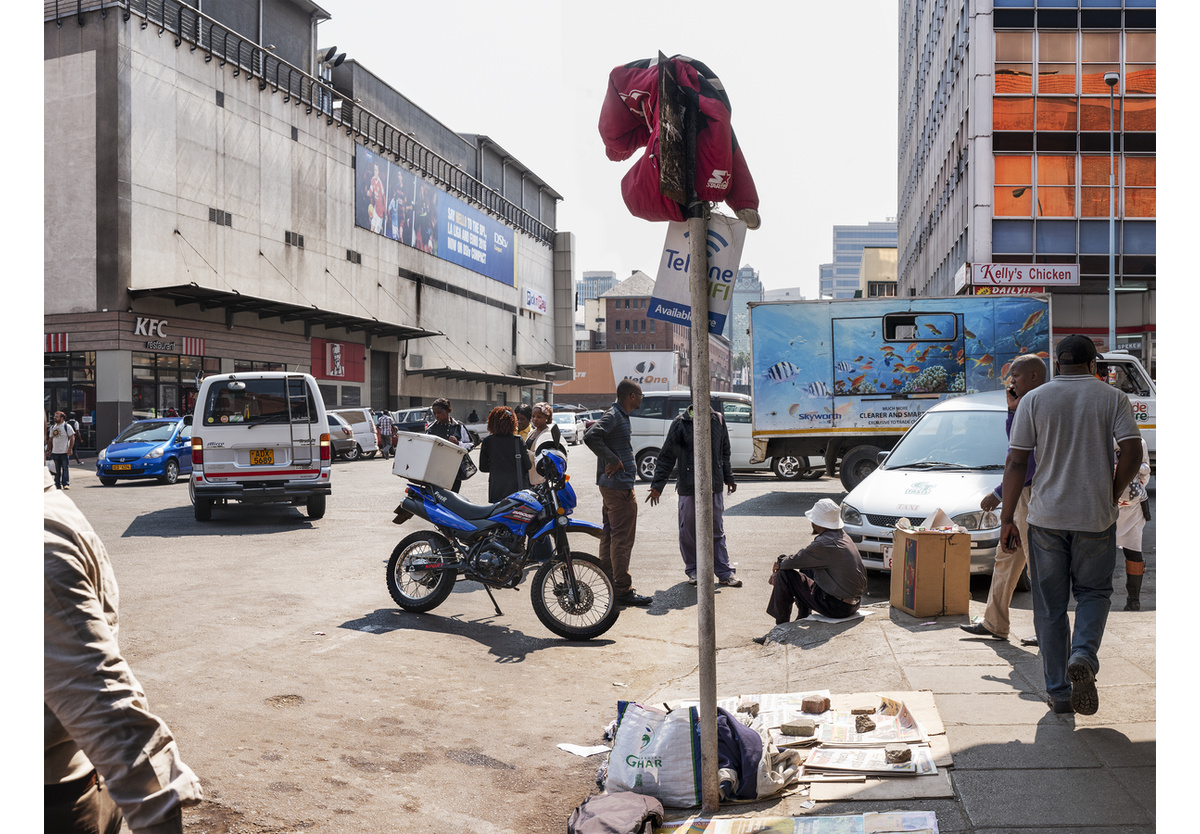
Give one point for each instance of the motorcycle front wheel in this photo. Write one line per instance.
(412, 587)
(591, 614)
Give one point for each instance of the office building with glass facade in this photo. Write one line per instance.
(1009, 127)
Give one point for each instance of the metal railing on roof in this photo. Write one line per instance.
(217, 42)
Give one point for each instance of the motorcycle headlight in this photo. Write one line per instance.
(851, 515)
(978, 520)
(156, 452)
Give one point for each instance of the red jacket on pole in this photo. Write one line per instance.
(629, 120)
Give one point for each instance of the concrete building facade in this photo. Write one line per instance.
(210, 216)
(628, 328)
(1005, 150)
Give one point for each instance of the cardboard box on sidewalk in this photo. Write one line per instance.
(931, 570)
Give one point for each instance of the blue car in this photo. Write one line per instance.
(159, 448)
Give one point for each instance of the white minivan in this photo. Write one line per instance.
(366, 433)
(648, 426)
(260, 437)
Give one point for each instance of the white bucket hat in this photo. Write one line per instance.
(826, 514)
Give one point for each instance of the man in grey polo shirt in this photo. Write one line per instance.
(1070, 424)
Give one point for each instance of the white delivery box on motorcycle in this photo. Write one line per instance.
(260, 437)
(427, 459)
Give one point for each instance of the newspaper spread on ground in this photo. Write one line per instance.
(840, 730)
(892, 822)
(869, 760)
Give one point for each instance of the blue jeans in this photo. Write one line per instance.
(62, 469)
(1065, 563)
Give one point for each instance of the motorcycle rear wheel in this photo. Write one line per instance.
(414, 589)
(593, 614)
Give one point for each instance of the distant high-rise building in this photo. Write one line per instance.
(826, 286)
(783, 294)
(841, 280)
(594, 285)
(746, 288)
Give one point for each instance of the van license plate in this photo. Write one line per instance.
(122, 467)
(887, 557)
(262, 457)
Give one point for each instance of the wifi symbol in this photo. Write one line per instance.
(715, 242)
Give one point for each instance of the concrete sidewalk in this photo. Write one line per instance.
(1016, 764)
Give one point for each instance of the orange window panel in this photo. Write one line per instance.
(1093, 202)
(1140, 114)
(1140, 202)
(1094, 114)
(1056, 170)
(1013, 170)
(1057, 113)
(1005, 204)
(1012, 114)
(1140, 171)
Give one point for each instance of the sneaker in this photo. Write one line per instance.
(692, 581)
(1084, 699)
(731, 582)
(632, 597)
(66, 486)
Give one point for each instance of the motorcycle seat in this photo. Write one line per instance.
(465, 509)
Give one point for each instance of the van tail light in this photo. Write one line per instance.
(197, 452)
(325, 450)
(378, 439)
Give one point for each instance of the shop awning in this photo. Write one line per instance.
(546, 367)
(232, 301)
(476, 376)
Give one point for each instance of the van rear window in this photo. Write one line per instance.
(259, 401)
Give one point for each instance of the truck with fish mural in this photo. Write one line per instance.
(844, 379)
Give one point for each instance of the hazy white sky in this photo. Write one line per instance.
(813, 90)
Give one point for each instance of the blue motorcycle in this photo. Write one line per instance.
(494, 543)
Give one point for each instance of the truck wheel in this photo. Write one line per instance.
(857, 464)
(789, 467)
(646, 462)
(316, 506)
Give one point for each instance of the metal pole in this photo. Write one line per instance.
(702, 461)
(1111, 79)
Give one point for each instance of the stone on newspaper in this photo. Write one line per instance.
(799, 727)
(897, 753)
(863, 724)
(748, 705)
(814, 704)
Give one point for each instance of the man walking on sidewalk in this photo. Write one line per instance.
(609, 437)
(60, 442)
(1070, 423)
(1028, 372)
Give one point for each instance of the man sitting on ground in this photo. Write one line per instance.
(827, 576)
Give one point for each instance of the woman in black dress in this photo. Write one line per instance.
(503, 456)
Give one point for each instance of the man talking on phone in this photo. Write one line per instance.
(1071, 423)
(1027, 372)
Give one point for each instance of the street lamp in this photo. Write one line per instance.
(1017, 192)
(1111, 79)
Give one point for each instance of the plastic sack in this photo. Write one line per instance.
(657, 754)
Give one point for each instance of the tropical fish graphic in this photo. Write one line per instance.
(969, 334)
(888, 349)
(921, 356)
(911, 369)
(859, 359)
(986, 359)
(844, 367)
(933, 330)
(841, 411)
(818, 389)
(911, 347)
(1033, 319)
(858, 380)
(781, 371)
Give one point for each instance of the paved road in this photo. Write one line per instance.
(306, 700)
